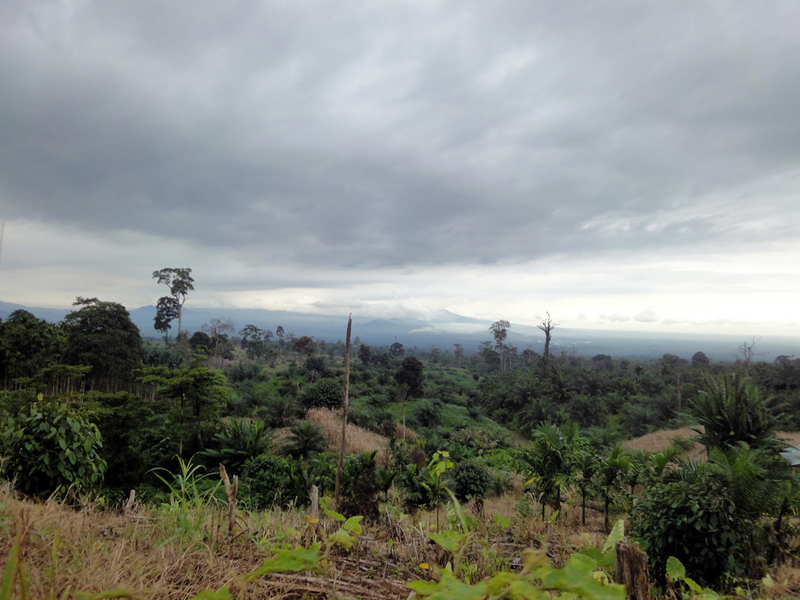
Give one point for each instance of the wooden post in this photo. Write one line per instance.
(633, 570)
(315, 502)
(230, 491)
(129, 504)
(345, 409)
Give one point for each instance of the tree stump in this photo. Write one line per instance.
(633, 570)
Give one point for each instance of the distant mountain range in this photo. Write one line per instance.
(445, 328)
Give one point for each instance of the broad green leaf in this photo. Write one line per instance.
(449, 540)
(675, 569)
(577, 577)
(292, 561)
(693, 585)
(333, 514)
(342, 538)
(617, 535)
(353, 525)
(501, 520)
(449, 588)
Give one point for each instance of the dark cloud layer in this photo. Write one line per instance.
(388, 134)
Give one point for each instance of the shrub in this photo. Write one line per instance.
(133, 437)
(470, 480)
(50, 448)
(269, 480)
(325, 393)
(428, 413)
(694, 521)
(244, 371)
(360, 486)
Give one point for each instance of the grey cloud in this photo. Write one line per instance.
(615, 317)
(380, 135)
(648, 315)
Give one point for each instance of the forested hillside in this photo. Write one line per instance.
(90, 409)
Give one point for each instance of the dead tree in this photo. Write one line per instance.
(547, 326)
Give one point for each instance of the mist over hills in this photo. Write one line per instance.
(444, 328)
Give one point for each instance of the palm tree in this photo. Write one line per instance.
(732, 410)
(547, 461)
(584, 468)
(610, 477)
(240, 441)
(306, 438)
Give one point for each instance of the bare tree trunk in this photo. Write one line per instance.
(345, 409)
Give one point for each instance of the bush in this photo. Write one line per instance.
(694, 521)
(50, 448)
(326, 393)
(133, 438)
(470, 480)
(245, 371)
(428, 413)
(360, 486)
(269, 480)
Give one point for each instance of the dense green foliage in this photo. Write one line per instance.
(51, 448)
(695, 522)
(101, 335)
(731, 410)
(325, 393)
(470, 479)
(28, 344)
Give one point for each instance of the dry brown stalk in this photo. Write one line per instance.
(230, 491)
(344, 409)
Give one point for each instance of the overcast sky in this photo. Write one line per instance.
(628, 165)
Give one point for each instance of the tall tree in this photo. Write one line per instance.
(547, 326)
(218, 330)
(499, 331)
(28, 344)
(102, 335)
(197, 396)
(255, 340)
(344, 409)
(179, 282)
(166, 312)
(411, 372)
(458, 354)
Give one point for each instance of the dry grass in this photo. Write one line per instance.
(358, 439)
(96, 550)
(661, 440)
(68, 551)
(402, 433)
